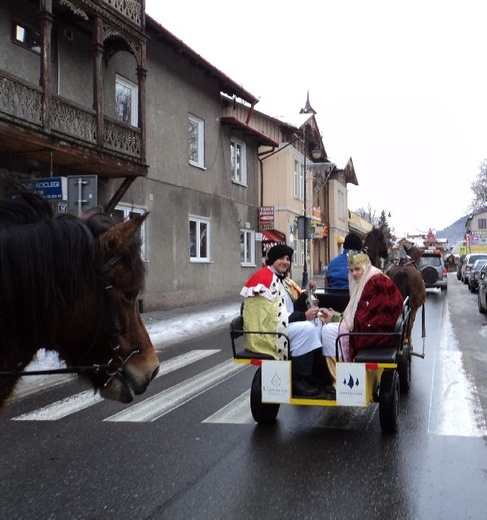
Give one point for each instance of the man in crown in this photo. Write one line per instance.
(374, 306)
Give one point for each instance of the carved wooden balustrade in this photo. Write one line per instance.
(21, 102)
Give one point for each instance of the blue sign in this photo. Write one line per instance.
(51, 188)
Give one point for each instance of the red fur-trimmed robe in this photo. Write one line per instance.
(377, 311)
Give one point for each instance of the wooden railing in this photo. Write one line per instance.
(131, 9)
(21, 103)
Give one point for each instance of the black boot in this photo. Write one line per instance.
(302, 388)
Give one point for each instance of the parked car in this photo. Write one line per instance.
(433, 271)
(467, 264)
(459, 266)
(482, 290)
(474, 274)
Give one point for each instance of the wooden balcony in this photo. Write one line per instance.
(66, 134)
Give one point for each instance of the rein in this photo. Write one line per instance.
(115, 365)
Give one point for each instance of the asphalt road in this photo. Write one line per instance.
(189, 448)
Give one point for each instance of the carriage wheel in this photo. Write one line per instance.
(263, 413)
(389, 401)
(404, 369)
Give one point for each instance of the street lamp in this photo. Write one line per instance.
(306, 227)
(322, 172)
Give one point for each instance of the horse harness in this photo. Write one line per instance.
(115, 365)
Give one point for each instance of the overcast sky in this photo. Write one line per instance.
(401, 87)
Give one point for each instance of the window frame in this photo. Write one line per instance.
(199, 124)
(199, 221)
(247, 241)
(298, 180)
(241, 165)
(134, 100)
(33, 36)
(129, 212)
(341, 205)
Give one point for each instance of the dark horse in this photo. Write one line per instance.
(405, 275)
(70, 285)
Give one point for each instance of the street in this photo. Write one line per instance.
(189, 449)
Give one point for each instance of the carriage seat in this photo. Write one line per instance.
(376, 355)
(337, 299)
(237, 331)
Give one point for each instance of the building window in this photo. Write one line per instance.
(196, 141)
(247, 247)
(298, 180)
(126, 101)
(26, 36)
(238, 154)
(298, 252)
(482, 223)
(122, 213)
(341, 205)
(199, 239)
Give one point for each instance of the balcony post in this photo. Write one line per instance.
(98, 104)
(45, 22)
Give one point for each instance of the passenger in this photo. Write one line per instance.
(374, 306)
(274, 303)
(337, 274)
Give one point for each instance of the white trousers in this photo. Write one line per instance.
(304, 336)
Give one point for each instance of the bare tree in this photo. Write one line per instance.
(479, 188)
(369, 215)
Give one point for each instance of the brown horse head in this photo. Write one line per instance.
(71, 285)
(375, 245)
(129, 353)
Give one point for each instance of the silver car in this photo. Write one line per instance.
(433, 271)
(474, 274)
(468, 263)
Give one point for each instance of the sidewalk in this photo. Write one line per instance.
(170, 326)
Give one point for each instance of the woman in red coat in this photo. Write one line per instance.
(374, 306)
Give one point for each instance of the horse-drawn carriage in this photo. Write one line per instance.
(378, 374)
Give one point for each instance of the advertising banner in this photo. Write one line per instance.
(350, 386)
(266, 217)
(276, 381)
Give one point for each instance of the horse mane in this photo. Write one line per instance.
(45, 262)
(48, 266)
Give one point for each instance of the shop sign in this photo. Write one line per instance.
(266, 217)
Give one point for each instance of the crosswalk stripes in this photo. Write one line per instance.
(87, 398)
(164, 402)
(235, 412)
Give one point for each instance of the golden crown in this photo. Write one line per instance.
(357, 259)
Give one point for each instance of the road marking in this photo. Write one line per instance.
(158, 405)
(87, 398)
(455, 407)
(62, 408)
(184, 360)
(235, 412)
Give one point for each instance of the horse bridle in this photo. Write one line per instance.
(114, 367)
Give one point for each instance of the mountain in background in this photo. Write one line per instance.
(454, 232)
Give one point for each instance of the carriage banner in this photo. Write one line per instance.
(276, 381)
(351, 385)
